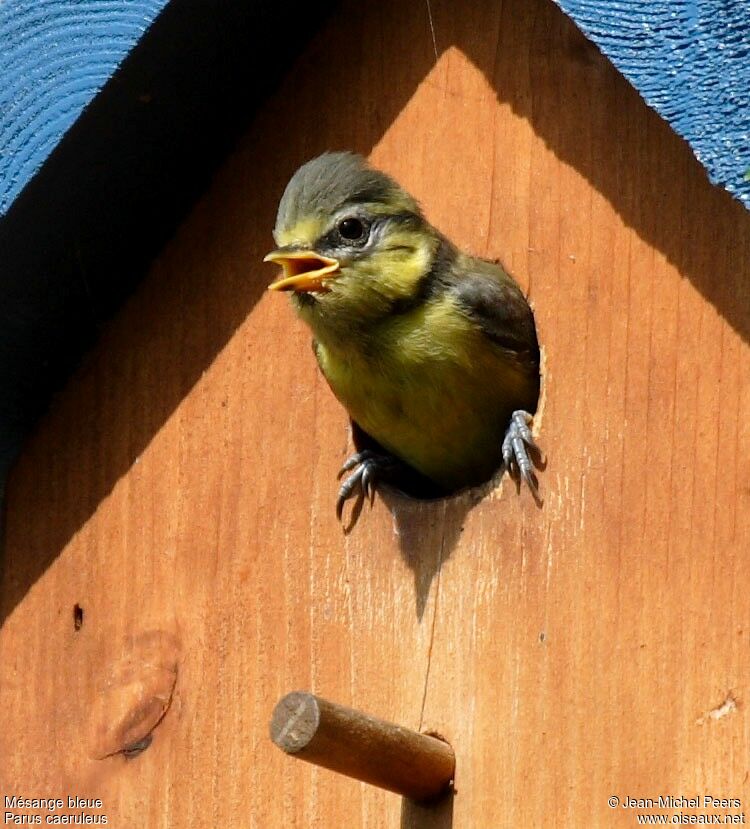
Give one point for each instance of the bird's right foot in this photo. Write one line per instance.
(515, 452)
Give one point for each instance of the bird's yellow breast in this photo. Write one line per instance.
(431, 388)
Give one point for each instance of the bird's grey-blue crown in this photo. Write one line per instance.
(326, 183)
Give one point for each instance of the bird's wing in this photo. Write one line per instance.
(495, 303)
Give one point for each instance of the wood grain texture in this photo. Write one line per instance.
(181, 489)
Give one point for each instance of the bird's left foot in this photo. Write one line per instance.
(518, 440)
(362, 483)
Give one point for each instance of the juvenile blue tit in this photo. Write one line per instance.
(432, 352)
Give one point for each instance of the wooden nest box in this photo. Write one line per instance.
(172, 562)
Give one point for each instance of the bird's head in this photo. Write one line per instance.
(351, 242)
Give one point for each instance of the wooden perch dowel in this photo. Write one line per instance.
(414, 765)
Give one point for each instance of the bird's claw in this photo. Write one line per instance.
(363, 482)
(515, 454)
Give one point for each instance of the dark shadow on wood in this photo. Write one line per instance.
(602, 130)
(437, 815)
(184, 320)
(428, 532)
(82, 233)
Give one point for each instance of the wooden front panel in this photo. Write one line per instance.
(181, 489)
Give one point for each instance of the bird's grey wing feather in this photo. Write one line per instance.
(495, 303)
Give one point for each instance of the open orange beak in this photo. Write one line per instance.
(304, 270)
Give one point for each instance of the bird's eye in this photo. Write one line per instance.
(352, 229)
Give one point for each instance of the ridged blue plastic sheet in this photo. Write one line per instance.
(690, 60)
(55, 55)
